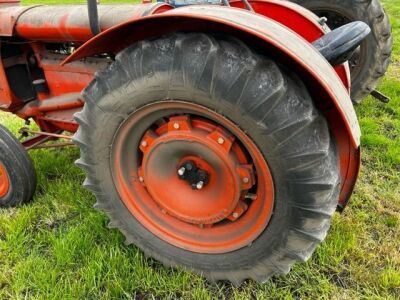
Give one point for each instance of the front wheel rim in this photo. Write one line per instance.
(231, 207)
(4, 181)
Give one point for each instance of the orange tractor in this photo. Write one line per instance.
(220, 138)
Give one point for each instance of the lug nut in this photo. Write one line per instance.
(176, 125)
(181, 171)
(141, 179)
(221, 140)
(251, 196)
(200, 185)
(235, 215)
(246, 180)
(322, 21)
(144, 144)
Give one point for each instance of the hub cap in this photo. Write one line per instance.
(4, 181)
(195, 179)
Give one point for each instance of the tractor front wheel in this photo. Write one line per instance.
(210, 156)
(17, 174)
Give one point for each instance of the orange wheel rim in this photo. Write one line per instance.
(4, 181)
(192, 177)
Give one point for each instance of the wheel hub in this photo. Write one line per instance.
(192, 177)
(4, 181)
(185, 165)
(193, 174)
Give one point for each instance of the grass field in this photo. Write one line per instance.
(58, 247)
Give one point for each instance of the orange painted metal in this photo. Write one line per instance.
(215, 219)
(71, 23)
(4, 181)
(7, 98)
(219, 197)
(283, 45)
(9, 14)
(276, 40)
(300, 20)
(328, 89)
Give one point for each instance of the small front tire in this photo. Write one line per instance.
(17, 173)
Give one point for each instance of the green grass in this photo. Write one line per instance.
(58, 247)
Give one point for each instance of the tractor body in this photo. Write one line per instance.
(69, 70)
(36, 40)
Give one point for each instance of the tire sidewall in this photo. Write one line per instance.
(16, 193)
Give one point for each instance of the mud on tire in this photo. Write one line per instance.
(266, 101)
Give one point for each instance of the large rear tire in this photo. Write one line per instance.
(189, 85)
(370, 62)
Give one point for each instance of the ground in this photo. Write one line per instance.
(58, 247)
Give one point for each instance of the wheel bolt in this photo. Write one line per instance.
(144, 144)
(235, 215)
(322, 21)
(141, 179)
(181, 171)
(176, 125)
(251, 196)
(200, 185)
(246, 180)
(221, 141)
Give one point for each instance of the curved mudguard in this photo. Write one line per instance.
(270, 37)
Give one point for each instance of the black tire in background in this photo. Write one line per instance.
(275, 110)
(372, 59)
(20, 170)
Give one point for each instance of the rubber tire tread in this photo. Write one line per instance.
(263, 99)
(378, 44)
(20, 170)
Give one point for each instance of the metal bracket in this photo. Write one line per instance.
(40, 138)
(379, 96)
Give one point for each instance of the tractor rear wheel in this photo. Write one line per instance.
(209, 156)
(371, 60)
(17, 174)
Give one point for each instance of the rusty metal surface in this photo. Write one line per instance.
(245, 25)
(64, 102)
(25, 130)
(47, 146)
(9, 16)
(71, 22)
(279, 42)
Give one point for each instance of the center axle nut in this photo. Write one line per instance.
(196, 177)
